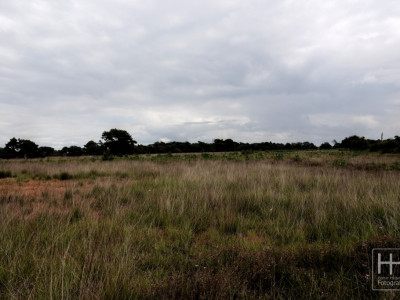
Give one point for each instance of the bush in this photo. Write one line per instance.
(206, 156)
(5, 174)
(107, 155)
(340, 163)
(325, 146)
(64, 176)
(297, 158)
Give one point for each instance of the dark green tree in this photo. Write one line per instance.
(10, 150)
(92, 148)
(119, 142)
(46, 151)
(75, 151)
(225, 145)
(20, 148)
(63, 151)
(71, 151)
(325, 146)
(355, 143)
(387, 146)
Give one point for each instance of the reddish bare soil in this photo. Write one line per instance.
(27, 199)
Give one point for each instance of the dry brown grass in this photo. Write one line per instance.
(179, 228)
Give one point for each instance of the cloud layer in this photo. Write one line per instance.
(252, 71)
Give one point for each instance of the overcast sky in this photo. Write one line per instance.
(253, 71)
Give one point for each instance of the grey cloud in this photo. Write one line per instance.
(251, 71)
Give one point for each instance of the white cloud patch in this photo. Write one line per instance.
(344, 120)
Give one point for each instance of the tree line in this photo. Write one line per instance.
(117, 142)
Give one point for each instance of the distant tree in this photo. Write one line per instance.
(20, 148)
(336, 144)
(355, 143)
(142, 149)
(300, 146)
(159, 147)
(386, 146)
(75, 151)
(308, 146)
(225, 145)
(202, 146)
(92, 148)
(63, 151)
(118, 141)
(288, 146)
(230, 145)
(219, 145)
(46, 151)
(325, 146)
(28, 149)
(10, 151)
(71, 151)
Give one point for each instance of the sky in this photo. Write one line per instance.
(174, 70)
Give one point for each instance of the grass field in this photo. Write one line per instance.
(273, 225)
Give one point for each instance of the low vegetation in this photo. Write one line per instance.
(117, 142)
(247, 225)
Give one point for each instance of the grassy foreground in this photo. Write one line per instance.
(280, 225)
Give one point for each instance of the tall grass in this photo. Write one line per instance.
(208, 227)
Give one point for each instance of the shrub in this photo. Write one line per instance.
(297, 158)
(5, 174)
(107, 156)
(206, 156)
(339, 163)
(64, 176)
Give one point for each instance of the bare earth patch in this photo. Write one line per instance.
(30, 198)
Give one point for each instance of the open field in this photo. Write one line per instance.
(248, 225)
